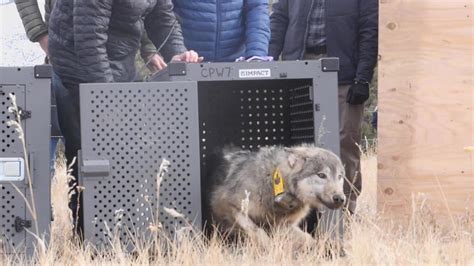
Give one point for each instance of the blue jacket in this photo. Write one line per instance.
(223, 30)
(351, 34)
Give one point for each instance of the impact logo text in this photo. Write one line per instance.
(255, 73)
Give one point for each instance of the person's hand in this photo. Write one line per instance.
(155, 62)
(358, 93)
(189, 57)
(43, 42)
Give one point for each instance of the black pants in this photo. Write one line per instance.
(67, 101)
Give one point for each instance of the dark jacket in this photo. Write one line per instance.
(223, 30)
(36, 27)
(351, 32)
(96, 40)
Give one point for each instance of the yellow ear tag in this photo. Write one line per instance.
(278, 183)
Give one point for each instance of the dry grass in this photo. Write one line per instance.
(368, 240)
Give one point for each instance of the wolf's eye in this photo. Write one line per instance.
(322, 175)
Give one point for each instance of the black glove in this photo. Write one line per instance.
(358, 93)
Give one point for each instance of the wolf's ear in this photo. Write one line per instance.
(295, 161)
(292, 159)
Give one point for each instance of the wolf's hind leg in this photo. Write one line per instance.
(251, 229)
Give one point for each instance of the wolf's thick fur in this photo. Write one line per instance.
(313, 178)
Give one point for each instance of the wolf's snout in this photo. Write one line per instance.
(338, 199)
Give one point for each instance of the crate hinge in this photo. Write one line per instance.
(20, 224)
(24, 114)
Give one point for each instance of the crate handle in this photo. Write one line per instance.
(95, 168)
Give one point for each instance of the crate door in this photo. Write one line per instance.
(127, 130)
(326, 133)
(12, 173)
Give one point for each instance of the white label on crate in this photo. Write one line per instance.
(12, 169)
(255, 73)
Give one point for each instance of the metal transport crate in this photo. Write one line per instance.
(183, 114)
(31, 86)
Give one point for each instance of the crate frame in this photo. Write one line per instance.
(189, 81)
(32, 87)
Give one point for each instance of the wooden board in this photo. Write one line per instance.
(426, 101)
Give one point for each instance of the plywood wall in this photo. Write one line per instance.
(426, 101)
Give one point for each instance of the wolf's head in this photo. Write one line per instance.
(316, 176)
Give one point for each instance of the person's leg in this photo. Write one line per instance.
(373, 120)
(68, 116)
(55, 131)
(350, 121)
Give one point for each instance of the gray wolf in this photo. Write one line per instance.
(281, 184)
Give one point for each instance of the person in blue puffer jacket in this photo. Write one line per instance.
(224, 30)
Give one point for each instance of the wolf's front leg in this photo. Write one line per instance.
(301, 235)
(251, 229)
(300, 238)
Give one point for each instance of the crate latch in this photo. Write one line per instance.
(21, 224)
(177, 69)
(330, 64)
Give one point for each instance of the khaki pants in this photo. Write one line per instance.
(350, 122)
